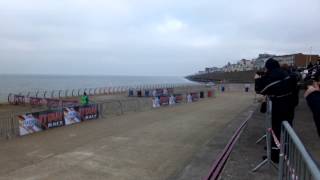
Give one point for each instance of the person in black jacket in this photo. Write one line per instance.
(279, 87)
(312, 96)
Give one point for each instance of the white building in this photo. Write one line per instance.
(259, 62)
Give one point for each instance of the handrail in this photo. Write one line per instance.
(286, 133)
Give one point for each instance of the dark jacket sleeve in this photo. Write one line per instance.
(313, 101)
(260, 84)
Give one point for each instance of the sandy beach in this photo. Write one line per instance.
(153, 144)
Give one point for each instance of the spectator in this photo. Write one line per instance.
(312, 96)
(247, 87)
(279, 86)
(310, 65)
(294, 78)
(222, 88)
(84, 99)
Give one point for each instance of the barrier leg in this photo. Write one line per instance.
(260, 165)
(261, 138)
(268, 159)
(268, 140)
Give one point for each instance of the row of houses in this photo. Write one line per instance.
(298, 60)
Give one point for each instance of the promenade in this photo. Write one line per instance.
(247, 154)
(154, 145)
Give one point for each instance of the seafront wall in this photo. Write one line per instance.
(230, 77)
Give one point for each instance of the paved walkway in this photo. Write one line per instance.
(247, 154)
(156, 144)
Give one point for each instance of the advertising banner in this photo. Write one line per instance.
(51, 119)
(28, 124)
(178, 97)
(164, 100)
(35, 122)
(88, 112)
(39, 121)
(71, 115)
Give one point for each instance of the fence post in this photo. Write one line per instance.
(282, 146)
(121, 108)
(100, 106)
(60, 93)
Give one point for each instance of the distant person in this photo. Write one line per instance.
(146, 93)
(84, 99)
(279, 86)
(222, 88)
(312, 96)
(139, 93)
(294, 79)
(247, 87)
(310, 65)
(130, 92)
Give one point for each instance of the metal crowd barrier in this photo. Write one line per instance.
(8, 126)
(268, 137)
(295, 162)
(24, 97)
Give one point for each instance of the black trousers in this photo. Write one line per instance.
(281, 111)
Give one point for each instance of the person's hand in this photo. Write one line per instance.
(256, 76)
(311, 89)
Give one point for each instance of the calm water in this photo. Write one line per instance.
(25, 83)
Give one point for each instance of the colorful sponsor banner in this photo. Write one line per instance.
(51, 119)
(35, 122)
(164, 100)
(71, 115)
(29, 124)
(39, 121)
(88, 112)
(178, 97)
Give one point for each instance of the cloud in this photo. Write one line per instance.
(137, 37)
(171, 25)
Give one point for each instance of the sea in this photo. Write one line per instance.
(16, 84)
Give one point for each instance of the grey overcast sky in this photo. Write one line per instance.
(150, 37)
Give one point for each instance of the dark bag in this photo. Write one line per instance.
(263, 107)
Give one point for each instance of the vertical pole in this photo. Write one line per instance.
(269, 125)
(282, 145)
